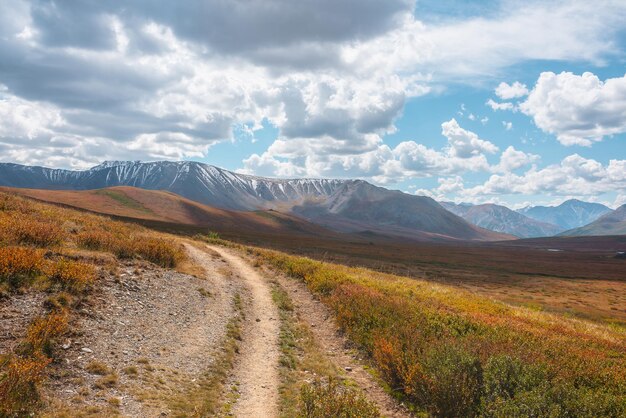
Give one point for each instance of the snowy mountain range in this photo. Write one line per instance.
(200, 182)
(344, 205)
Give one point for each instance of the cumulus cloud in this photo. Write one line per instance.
(578, 109)
(512, 159)
(573, 176)
(464, 151)
(464, 143)
(511, 91)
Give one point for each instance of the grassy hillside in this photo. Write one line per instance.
(453, 353)
(57, 254)
(162, 206)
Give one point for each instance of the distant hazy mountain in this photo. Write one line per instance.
(568, 215)
(612, 223)
(358, 205)
(502, 219)
(345, 205)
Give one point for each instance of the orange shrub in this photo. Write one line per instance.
(43, 332)
(71, 275)
(18, 384)
(95, 240)
(18, 264)
(9, 203)
(163, 253)
(20, 229)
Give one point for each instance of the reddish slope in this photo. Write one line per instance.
(164, 206)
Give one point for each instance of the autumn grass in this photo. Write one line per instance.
(25, 222)
(21, 372)
(448, 352)
(124, 199)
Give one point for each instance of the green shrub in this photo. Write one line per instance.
(454, 384)
(330, 399)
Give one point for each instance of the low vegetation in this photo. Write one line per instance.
(311, 385)
(329, 398)
(451, 353)
(49, 249)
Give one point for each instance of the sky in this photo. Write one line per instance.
(491, 101)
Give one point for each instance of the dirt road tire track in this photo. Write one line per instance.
(326, 332)
(256, 371)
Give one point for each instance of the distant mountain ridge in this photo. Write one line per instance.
(344, 205)
(570, 214)
(612, 223)
(502, 219)
(203, 183)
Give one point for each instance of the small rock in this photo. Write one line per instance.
(258, 320)
(86, 350)
(348, 369)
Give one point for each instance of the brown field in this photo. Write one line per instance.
(583, 279)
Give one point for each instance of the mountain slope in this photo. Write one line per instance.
(168, 207)
(358, 206)
(343, 205)
(569, 214)
(612, 223)
(502, 219)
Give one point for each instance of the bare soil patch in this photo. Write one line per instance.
(143, 341)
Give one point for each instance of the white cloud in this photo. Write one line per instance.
(513, 159)
(22, 119)
(573, 176)
(511, 91)
(579, 110)
(507, 125)
(464, 143)
(464, 152)
(518, 31)
(499, 106)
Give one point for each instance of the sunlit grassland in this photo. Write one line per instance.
(450, 352)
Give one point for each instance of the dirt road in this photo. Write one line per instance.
(256, 373)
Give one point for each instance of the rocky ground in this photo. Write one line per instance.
(146, 336)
